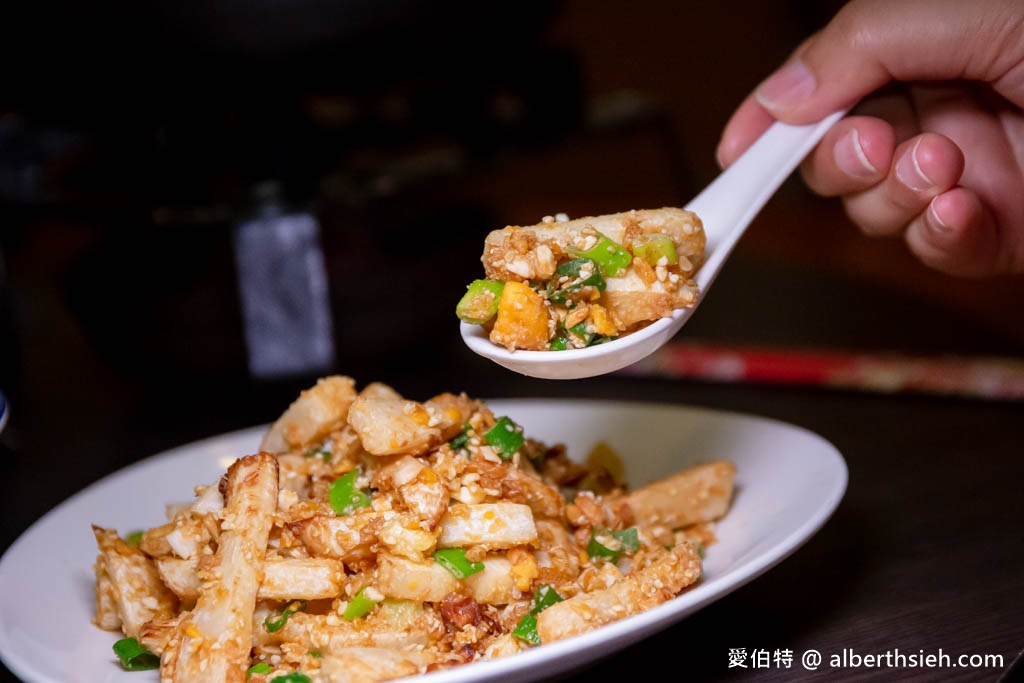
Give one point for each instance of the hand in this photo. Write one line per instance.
(935, 148)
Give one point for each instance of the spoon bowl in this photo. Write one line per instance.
(726, 207)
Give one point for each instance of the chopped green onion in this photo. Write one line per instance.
(135, 657)
(626, 539)
(544, 598)
(315, 653)
(345, 498)
(581, 331)
(589, 338)
(480, 302)
(653, 248)
(700, 550)
(461, 440)
(526, 629)
(274, 624)
(324, 453)
(557, 296)
(558, 343)
(134, 538)
(258, 668)
(572, 269)
(506, 437)
(454, 560)
(294, 677)
(607, 253)
(359, 606)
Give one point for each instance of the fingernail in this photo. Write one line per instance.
(788, 86)
(850, 157)
(909, 172)
(718, 157)
(935, 213)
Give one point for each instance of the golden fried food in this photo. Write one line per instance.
(375, 537)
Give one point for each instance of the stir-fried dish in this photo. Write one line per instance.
(374, 537)
(569, 284)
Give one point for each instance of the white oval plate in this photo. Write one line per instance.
(788, 483)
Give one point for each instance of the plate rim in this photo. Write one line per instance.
(620, 634)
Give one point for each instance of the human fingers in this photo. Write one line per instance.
(976, 229)
(896, 106)
(745, 126)
(921, 169)
(957, 234)
(853, 156)
(858, 151)
(990, 135)
(872, 42)
(751, 120)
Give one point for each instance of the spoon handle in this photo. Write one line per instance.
(734, 198)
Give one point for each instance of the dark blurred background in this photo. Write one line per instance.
(137, 140)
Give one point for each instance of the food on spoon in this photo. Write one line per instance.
(385, 537)
(569, 284)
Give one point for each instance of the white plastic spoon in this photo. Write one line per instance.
(726, 207)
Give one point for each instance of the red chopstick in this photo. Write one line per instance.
(981, 377)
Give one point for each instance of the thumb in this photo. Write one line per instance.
(872, 42)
